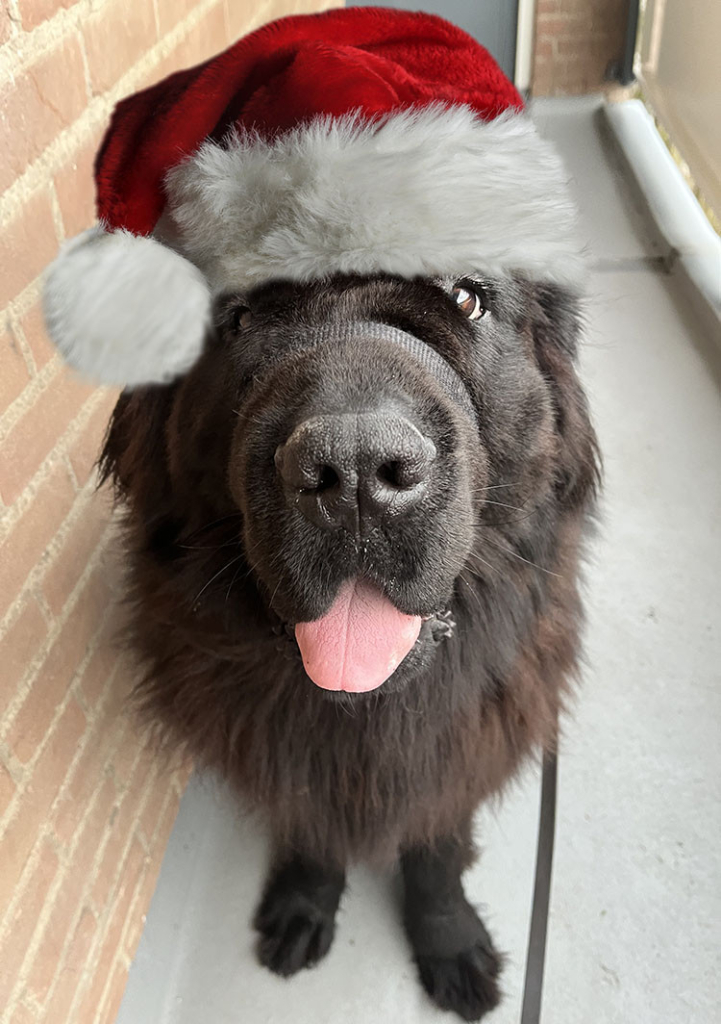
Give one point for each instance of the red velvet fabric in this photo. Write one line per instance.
(370, 59)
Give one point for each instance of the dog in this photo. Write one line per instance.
(239, 528)
(335, 267)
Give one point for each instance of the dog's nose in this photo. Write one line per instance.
(352, 469)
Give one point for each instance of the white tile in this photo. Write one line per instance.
(196, 963)
(611, 225)
(636, 914)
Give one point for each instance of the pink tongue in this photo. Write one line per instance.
(359, 643)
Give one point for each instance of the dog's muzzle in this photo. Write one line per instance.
(429, 359)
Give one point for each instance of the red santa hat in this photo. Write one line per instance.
(360, 140)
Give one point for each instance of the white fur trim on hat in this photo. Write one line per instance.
(432, 191)
(124, 309)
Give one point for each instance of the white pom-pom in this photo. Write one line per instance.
(124, 309)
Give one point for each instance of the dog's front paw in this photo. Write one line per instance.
(466, 983)
(296, 917)
(292, 937)
(457, 962)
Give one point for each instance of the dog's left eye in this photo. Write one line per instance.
(468, 301)
(240, 317)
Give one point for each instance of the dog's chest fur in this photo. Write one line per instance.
(358, 780)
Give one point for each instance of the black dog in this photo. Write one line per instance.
(423, 443)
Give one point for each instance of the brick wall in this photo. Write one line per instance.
(85, 809)
(575, 42)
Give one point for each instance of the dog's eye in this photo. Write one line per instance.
(468, 301)
(240, 317)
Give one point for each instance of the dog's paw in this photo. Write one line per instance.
(294, 932)
(466, 983)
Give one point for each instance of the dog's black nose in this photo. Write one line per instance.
(351, 469)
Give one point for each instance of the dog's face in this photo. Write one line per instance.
(376, 435)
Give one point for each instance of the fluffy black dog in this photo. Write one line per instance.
(422, 444)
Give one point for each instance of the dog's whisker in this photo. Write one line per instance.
(509, 551)
(471, 588)
(230, 585)
(497, 487)
(503, 504)
(479, 575)
(215, 522)
(210, 547)
(200, 593)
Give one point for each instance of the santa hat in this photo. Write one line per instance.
(360, 140)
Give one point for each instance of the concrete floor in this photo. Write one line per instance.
(635, 929)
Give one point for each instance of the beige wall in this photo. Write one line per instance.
(681, 73)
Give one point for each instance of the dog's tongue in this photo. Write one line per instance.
(359, 643)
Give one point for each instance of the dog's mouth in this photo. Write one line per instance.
(360, 642)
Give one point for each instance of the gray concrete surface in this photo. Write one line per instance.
(635, 928)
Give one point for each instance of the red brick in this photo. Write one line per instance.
(571, 46)
(38, 104)
(20, 928)
(182, 773)
(85, 448)
(33, 328)
(165, 826)
(13, 371)
(116, 37)
(71, 814)
(160, 785)
(77, 549)
(7, 789)
(52, 943)
(113, 933)
(51, 684)
(99, 670)
(49, 774)
(545, 47)
(112, 564)
(47, 691)
(145, 894)
(114, 998)
(27, 243)
(22, 1015)
(134, 868)
(36, 434)
(25, 545)
(5, 24)
(172, 12)
(133, 756)
(34, 12)
(121, 828)
(55, 933)
(166, 66)
(18, 647)
(554, 26)
(75, 965)
(205, 39)
(542, 77)
(75, 186)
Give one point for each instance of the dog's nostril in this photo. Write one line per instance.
(390, 473)
(327, 479)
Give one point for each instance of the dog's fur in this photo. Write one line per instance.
(221, 568)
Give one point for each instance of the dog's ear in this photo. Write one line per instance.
(134, 455)
(556, 324)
